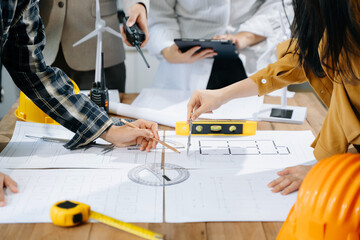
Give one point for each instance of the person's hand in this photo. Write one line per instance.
(241, 39)
(173, 54)
(290, 179)
(204, 101)
(137, 14)
(6, 181)
(122, 136)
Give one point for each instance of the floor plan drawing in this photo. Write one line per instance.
(241, 147)
(266, 149)
(27, 149)
(108, 191)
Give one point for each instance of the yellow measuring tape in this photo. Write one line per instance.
(71, 213)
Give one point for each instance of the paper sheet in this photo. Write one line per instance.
(25, 152)
(159, 99)
(107, 191)
(266, 149)
(226, 195)
(168, 106)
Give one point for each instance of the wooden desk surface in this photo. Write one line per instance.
(204, 230)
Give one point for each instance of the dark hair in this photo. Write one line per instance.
(336, 23)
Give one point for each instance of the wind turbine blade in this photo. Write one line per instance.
(113, 32)
(87, 37)
(98, 16)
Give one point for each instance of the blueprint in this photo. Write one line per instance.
(31, 152)
(226, 195)
(108, 191)
(265, 150)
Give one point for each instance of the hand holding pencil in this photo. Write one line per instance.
(154, 139)
(143, 135)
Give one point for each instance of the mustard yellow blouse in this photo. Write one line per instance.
(341, 126)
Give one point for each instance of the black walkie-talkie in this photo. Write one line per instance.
(135, 37)
(99, 93)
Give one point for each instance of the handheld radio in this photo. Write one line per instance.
(135, 37)
(99, 93)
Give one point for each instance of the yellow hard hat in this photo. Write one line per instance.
(29, 112)
(328, 202)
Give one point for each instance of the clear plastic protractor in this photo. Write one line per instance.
(152, 174)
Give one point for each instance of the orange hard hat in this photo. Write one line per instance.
(29, 112)
(328, 202)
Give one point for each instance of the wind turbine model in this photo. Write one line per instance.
(282, 113)
(100, 27)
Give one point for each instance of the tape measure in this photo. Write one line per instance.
(218, 127)
(71, 213)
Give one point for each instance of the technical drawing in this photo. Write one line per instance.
(241, 147)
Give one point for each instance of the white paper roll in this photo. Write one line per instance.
(144, 113)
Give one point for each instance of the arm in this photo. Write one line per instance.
(266, 20)
(263, 24)
(277, 75)
(49, 88)
(163, 26)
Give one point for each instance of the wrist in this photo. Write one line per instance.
(109, 134)
(249, 39)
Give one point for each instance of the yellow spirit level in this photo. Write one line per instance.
(217, 127)
(71, 213)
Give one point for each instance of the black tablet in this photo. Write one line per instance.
(224, 48)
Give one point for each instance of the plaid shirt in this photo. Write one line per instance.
(22, 39)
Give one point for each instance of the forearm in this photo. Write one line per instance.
(244, 88)
(249, 39)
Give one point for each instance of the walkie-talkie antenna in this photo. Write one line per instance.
(142, 55)
(135, 37)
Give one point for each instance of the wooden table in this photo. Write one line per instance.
(204, 230)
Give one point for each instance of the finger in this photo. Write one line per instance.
(2, 195)
(144, 133)
(122, 30)
(142, 22)
(281, 185)
(191, 51)
(8, 182)
(154, 143)
(203, 56)
(201, 53)
(222, 36)
(144, 144)
(196, 114)
(294, 186)
(132, 19)
(275, 182)
(284, 172)
(139, 140)
(149, 145)
(190, 106)
(154, 128)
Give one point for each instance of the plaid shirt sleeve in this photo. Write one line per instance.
(49, 88)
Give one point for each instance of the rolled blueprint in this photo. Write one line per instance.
(157, 116)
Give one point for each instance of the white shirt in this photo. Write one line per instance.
(170, 19)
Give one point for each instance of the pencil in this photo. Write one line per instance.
(157, 140)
